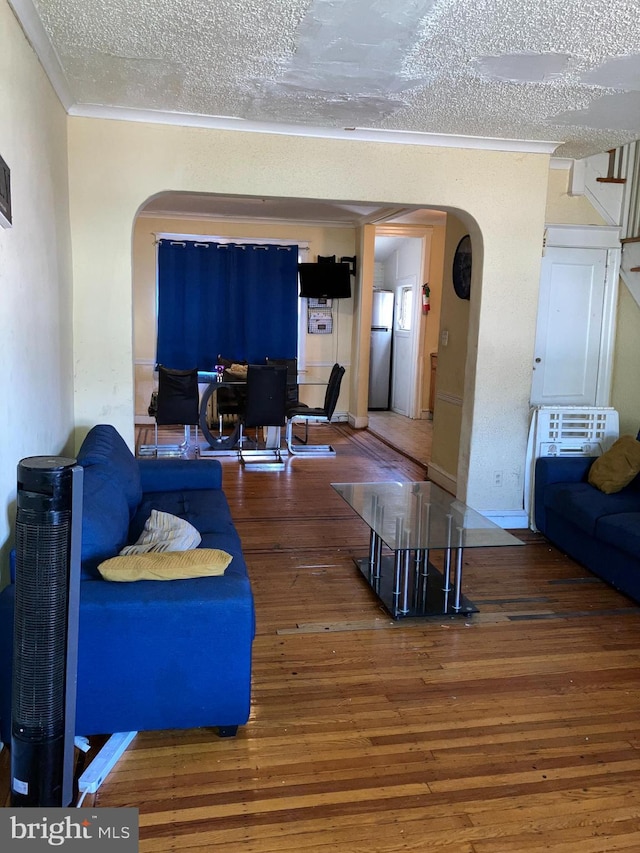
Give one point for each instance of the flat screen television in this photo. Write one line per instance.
(325, 281)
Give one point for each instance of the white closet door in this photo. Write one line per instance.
(569, 328)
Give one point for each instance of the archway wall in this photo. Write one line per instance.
(115, 166)
(452, 358)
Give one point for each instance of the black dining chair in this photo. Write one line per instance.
(292, 378)
(265, 406)
(177, 404)
(301, 412)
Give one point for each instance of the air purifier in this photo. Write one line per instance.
(47, 575)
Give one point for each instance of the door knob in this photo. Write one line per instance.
(538, 360)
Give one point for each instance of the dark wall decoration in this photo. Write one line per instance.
(5, 194)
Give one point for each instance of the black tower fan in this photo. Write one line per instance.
(48, 539)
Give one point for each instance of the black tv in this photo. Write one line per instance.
(325, 281)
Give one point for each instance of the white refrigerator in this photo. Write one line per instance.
(380, 349)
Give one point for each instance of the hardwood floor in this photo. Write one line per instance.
(410, 437)
(514, 731)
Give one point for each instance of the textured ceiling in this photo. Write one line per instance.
(566, 71)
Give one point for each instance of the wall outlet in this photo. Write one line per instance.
(497, 478)
(444, 337)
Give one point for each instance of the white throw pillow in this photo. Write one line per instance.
(164, 532)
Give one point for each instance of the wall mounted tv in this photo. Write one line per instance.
(325, 281)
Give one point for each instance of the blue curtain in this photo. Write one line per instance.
(239, 301)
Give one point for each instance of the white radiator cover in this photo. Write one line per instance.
(566, 431)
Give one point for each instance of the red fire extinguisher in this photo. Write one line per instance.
(426, 304)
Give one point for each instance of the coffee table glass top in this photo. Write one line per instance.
(409, 516)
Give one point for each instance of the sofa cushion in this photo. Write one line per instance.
(621, 530)
(584, 505)
(105, 519)
(617, 467)
(168, 565)
(104, 446)
(206, 509)
(164, 532)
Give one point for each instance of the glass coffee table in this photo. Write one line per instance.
(410, 520)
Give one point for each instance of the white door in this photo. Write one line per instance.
(403, 372)
(569, 328)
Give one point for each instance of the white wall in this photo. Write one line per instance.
(115, 166)
(36, 379)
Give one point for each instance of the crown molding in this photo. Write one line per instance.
(360, 134)
(257, 220)
(29, 20)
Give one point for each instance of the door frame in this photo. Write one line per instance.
(422, 232)
(596, 237)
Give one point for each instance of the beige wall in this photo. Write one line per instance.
(452, 359)
(115, 166)
(36, 380)
(320, 351)
(625, 396)
(563, 209)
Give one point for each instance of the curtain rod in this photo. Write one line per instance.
(208, 238)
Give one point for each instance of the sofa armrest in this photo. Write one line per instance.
(172, 474)
(557, 469)
(563, 469)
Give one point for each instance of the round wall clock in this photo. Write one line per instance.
(462, 268)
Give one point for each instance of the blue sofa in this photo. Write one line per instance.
(152, 654)
(601, 531)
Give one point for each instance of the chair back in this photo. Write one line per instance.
(292, 377)
(266, 399)
(178, 397)
(333, 390)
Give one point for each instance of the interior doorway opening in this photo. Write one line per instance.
(399, 321)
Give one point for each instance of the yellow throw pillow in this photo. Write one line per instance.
(166, 565)
(616, 468)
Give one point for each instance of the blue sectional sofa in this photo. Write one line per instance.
(601, 531)
(152, 654)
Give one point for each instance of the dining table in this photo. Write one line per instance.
(227, 444)
(218, 444)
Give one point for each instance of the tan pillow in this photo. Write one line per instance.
(238, 370)
(166, 566)
(616, 468)
(164, 532)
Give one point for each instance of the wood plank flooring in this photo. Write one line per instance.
(514, 731)
(411, 437)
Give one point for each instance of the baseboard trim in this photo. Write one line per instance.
(510, 519)
(442, 478)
